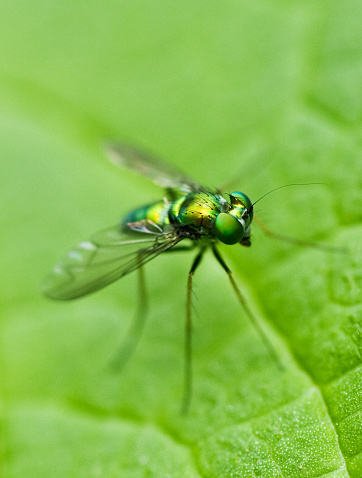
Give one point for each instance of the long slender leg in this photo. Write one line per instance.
(135, 331)
(188, 336)
(252, 318)
(296, 241)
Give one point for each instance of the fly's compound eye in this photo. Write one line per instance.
(228, 229)
(241, 199)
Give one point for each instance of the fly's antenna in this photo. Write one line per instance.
(281, 187)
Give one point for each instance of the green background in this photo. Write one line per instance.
(253, 94)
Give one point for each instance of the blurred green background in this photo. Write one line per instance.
(252, 94)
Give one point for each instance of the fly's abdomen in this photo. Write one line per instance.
(156, 212)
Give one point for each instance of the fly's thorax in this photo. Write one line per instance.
(233, 226)
(198, 210)
(156, 212)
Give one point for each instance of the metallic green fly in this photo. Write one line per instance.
(190, 214)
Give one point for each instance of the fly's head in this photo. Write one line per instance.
(233, 226)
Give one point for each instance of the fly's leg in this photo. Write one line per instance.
(186, 399)
(252, 318)
(296, 241)
(135, 331)
(188, 336)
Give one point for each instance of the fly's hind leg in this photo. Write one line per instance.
(137, 326)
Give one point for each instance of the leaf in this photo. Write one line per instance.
(256, 95)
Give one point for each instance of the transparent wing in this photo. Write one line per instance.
(108, 256)
(161, 173)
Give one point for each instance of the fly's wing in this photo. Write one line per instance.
(160, 173)
(108, 256)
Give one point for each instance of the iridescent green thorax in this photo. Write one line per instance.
(198, 210)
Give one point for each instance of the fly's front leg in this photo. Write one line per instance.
(188, 336)
(296, 241)
(252, 318)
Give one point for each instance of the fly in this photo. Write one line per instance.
(190, 216)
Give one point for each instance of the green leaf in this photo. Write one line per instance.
(255, 95)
